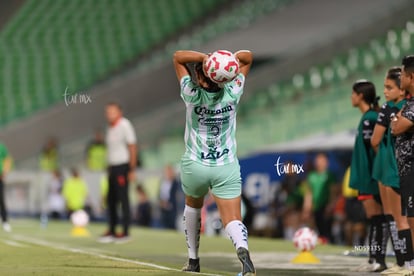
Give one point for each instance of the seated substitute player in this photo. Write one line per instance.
(210, 160)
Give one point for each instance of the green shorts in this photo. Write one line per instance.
(224, 181)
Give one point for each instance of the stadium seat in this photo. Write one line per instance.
(52, 44)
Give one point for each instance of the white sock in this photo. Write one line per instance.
(409, 265)
(192, 225)
(237, 233)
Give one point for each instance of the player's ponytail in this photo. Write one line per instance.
(369, 94)
(212, 86)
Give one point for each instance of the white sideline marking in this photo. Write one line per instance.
(102, 256)
(14, 243)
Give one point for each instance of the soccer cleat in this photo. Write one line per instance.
(122, 238)
(364, 267)
(397, 270)
(193, 265)
(106, 238)
(377, 267)
(6, 227)
(247, 264)
(391, 270)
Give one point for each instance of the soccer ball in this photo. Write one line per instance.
(221, 66)
(79, 218)
(305, 239)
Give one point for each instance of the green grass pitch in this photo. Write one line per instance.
(35, 250)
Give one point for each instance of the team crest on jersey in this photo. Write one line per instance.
(238, 82)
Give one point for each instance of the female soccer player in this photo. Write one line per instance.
(364, 97)
(385, 170)
(210, 160)
(402, 128)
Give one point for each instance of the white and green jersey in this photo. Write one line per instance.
(210, 131)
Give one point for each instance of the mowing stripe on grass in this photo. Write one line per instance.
(14, 243)
(102, 256)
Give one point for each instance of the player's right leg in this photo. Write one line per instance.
(374, 213)
(226, 189)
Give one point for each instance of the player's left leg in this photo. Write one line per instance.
(192, 228)
(123, 188)
(194, 181)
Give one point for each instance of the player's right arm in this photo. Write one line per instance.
(182, 57)
(404, 121)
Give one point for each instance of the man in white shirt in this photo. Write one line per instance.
(121, 152)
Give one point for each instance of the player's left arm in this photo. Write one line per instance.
(245, 58)
(131, 142)
(401, 124)
(132, 148)
(367, 131)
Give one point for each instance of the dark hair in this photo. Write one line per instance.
(408, 63)
(212, 86)
(369, 95)
(140, 189)
(74, 171)
(394, 74)
(114, 104)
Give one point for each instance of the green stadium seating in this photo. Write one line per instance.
(318, 100)
(53, 44)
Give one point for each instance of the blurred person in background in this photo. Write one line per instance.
(210, 160)
(5, 167)
(49, 157)
(103, 192)
(96, 153)
(75, 192)
(288, 202)
(56, 202)
(168, 198)
(143, 212)
(122, 159)
(355, 228)
(402, 126)
(320, 197)
(364, 97)
(385, 169)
